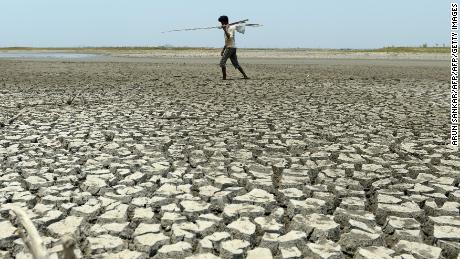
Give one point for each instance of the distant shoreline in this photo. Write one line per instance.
(440, 50)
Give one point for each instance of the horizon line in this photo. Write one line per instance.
(204, 48)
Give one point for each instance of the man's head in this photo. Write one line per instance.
(223, 20)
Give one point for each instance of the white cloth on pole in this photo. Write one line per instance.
(241, 28)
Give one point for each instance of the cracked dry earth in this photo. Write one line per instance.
(137, 160)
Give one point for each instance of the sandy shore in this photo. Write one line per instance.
(246, 56)
(156, 156)
(285, 54)
(247, 53)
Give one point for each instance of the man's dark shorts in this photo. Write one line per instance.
(230, 53)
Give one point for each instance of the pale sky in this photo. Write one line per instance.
(288, 23)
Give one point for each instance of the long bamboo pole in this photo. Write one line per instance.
(207, 28)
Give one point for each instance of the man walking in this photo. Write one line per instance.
(229, 50)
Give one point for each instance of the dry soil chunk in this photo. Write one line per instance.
(290, 253)
(448, 233)
(374, 252)
(394, 223)
(177, 250)
(307, 206)
(243, 210)
(323, 249)
(293, 238)
(104, 243)
(145, 228)
(404, 210)
(150, 242)
(418, 250)
(212, 242)
(118, 214)
(195, 206)
(269, 224)
(203, 256)
(257, 197)
(260, 253)
(233, 248)
(7, 234)
(93, 185)
(318, 226)
(355, 239)
(68, 226)
(143, 214)
(242, 228)
(126, 254)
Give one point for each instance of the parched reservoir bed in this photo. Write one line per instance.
(138, 159)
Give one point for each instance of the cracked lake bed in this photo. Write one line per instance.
(165, 160)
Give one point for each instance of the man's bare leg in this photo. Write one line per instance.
(242, 72)
(224, 73)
